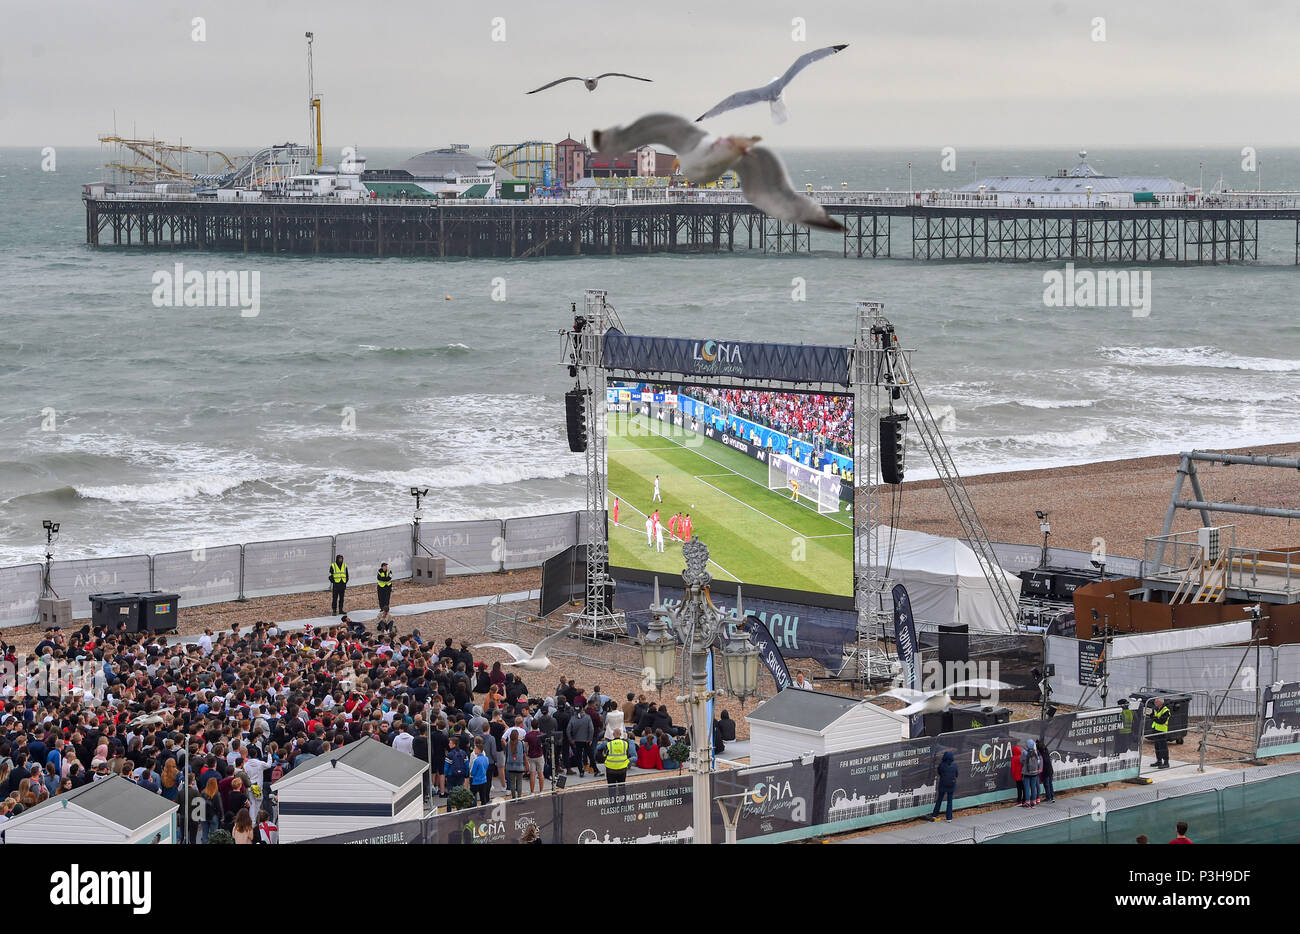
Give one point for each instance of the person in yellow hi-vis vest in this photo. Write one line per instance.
(338, 584)
(1160, 730)
(616, 759)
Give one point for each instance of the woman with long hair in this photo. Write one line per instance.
(516, 763)
(243, 832)
(212, 809)
(170, 781)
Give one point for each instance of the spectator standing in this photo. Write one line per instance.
(947, 784)
(479, 782)
(1032, 766)
(1018, 774)
(516, 764)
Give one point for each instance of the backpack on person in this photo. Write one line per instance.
(458, 764)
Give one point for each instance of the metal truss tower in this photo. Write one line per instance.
(584, 345)
(881, 377)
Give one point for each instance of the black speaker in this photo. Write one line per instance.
(891, 448)
(575, 413)
(954, 643)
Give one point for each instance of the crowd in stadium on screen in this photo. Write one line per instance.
(815, 417)
(246, 709)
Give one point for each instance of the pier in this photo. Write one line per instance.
(943, 226)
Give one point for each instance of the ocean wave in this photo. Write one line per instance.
(454, 349)
(452, 476)
(165, 491)
(1201, 356)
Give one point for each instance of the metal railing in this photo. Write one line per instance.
(526, 629)
(652, 196)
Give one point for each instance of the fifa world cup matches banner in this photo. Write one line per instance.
(648, 811)
(1279, 729)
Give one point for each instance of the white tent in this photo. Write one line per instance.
(943, 579)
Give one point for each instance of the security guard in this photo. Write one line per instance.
(338, 584)
(1160, 727)
(616, 759)
(385, 585)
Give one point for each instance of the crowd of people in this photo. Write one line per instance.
(820, 419)
(213, 723)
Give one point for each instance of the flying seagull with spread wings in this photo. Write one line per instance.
(939, 701)
(590, 83)
(771, 92)
(536, 660)
(703, 158)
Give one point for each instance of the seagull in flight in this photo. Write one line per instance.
(536, 660)
(703, 158)
(771, 92)
(589, 82)
(939, 701)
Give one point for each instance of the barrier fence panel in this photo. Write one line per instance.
(1016, 557)
(533, 539)
(473, 547)
(1286, 662)
(1213, 671)
(364, 551)
(199, 576)
(19, 589)
(79, 578)
(294, 565)
(1126, 675)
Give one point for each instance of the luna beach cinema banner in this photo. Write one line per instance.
(1279, 727)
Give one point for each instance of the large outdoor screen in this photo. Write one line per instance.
(763, 478)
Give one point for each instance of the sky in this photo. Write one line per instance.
(402, 73)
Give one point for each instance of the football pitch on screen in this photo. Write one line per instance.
(755, 535)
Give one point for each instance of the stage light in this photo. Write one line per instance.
(573, 372)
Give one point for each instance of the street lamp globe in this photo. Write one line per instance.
(659, 651)
(740, 658)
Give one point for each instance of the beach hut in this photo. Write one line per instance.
(114, 810)
(354, 787)
(797, 723)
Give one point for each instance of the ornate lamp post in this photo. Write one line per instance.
(700, 627)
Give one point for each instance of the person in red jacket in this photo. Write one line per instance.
(1017, 774)
(1182, 833)
(647, 753)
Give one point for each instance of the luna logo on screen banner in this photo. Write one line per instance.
(796, 363)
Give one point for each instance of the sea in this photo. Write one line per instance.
(143, 428)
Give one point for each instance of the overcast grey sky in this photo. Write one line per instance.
(422, 73)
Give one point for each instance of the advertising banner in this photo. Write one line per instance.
(794, 363)
(648, 811)
(908, 657)
(769, 650)
(1090, 662)
(884, 783)
(505, 821)
(407, 831)
(798, 630)
(1086, 748)
(1279, 733)
(777, 803)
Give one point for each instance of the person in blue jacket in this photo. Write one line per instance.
(947, 779)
